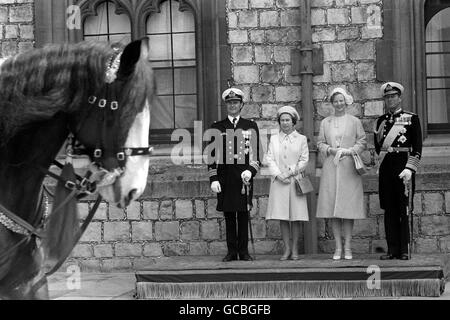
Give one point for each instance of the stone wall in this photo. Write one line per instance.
(16, 26)
(177, 217)
(262, 34)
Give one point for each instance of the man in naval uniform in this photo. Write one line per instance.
(235, 163)
(398, 142)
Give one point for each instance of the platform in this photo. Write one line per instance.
(312, 276)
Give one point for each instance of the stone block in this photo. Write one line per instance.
(347, 33)
(265, 247)
(103, 251)
(9, 48)
(251, 111)
(338, 16)
(447, 202)
(210, 230)
(365, 71)
(175, 249)
(117, 231)
(325, 34)
(321, 3)
(82, 251)
(282, 54)
(167, 230)
(141, 231)
(238, 36)
(271, 73)
(343, 72)
(128, 250)
(116, 213)
(276, 35)
(11, 32)
(246, 74)
(248, 19)
(269, 19)
(232, 20)
(21, 13)
(92, 233)
(263, 54)
(288, 93)
(153, 250)
(365, 228)
(166, 210)
(257, 36)
(273, 229)
(134, 211)
(190, 230)
(326, 77)
(238, 4)
(435, 225)
(290, 18)
(184, 209)
(259, 228)
(334, 51)
(263, 94)
(288, 3)
(242, 54)
(199, 209)
(150, 210)
(317, 17)
(371, 32)
(361, 51)
(199, 248)
(262, 205)
(260, 4)
(433, 203)
(424, 245)
(218, 248)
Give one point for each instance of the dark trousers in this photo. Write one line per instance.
(397, 229)
(237, 233)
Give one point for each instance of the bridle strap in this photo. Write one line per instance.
(21, 222)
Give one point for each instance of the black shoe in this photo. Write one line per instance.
(229, 257)
(404, 256)
(245, 257)
(388, 257)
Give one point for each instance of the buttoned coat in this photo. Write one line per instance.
(231, 160)
(286, 152)
(341, 190)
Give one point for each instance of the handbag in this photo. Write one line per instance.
(303, 185)
(359, 165)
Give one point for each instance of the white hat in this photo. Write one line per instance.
(289, 110)
(391, 88)
(348, 98)
(233, 94)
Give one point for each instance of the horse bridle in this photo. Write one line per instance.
(105, 106)
(104, 103)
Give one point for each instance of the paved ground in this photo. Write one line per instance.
(121, 286)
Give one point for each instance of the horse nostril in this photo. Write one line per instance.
(131, 194)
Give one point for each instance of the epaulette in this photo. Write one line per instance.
(409, 112)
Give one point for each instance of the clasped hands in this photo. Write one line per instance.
(339, 153)
(285, 176)
(245, 176)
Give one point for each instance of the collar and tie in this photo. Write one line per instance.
(234, 122)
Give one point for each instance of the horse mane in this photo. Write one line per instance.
(37, 84)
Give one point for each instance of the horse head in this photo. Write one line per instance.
(114, 124)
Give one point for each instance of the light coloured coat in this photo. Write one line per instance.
(341, 190)
(286, 152)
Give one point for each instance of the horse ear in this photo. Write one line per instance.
(132, 53)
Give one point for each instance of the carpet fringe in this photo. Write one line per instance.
(288, 289)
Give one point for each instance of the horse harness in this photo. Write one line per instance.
(105, 106)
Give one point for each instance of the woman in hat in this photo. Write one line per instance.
(287, 157)
(341, 197)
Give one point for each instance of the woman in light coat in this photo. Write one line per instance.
(287, 157)
(341, 196)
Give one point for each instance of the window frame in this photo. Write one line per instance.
(214, 53)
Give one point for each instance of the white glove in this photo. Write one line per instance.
(215, 187)
(246, 176)
(406, 175)
(338, 156)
